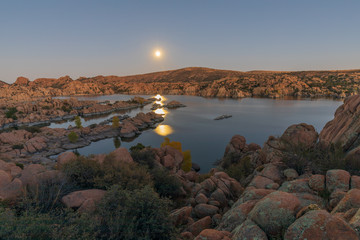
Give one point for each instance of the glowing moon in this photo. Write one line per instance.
(157, 53)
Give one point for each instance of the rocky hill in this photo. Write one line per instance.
(195, 81)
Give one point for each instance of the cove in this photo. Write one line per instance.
(194, 126)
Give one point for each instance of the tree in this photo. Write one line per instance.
(78, 122)
(186, 164)
(73, 137)
(115, 122)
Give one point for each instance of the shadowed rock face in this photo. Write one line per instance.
(195, 81)
(345, 127)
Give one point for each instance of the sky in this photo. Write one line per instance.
(53, 38)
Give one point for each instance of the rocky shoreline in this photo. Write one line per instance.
(23, 141)
(47, 111)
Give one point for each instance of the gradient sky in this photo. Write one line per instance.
(91, 37)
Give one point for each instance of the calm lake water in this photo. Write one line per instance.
(254, 118)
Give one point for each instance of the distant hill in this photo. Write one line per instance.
(198, 81)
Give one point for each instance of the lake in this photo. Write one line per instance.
(194, 126)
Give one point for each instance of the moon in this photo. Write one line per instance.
(157, 53)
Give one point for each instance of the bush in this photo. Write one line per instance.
(228, 160)
(137, 147)
(78, 122)
(82, 172)
(166, 185)
(87, 173)
(32, 225)
(143, 156)
(241, 169)
(318, 159)
(73, 137)
(18, 146)
(127, 175)
(66, 108)
(10, 113)
(134, 215)
(33, 129)
(20, 165)
(45, 196)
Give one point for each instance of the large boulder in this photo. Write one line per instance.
(11, 191)
(337, 180)
(180, 216)
(275, 212)
(29, 175)
(65, 158)
(5, 178)
(300, 134)
(203, 210)
(237, 144)
(248, 230)
(236, 216)
(350, 200)
(78, 198)
(200, 225)
(122, 155)
(345, 126)
(212, 234)
(319, 224)
(317, 182)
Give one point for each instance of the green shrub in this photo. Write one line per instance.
(87, 173)
(133, 215)
(10, 113)
(165, 184)
(319, 159)
(73, 137)
(20, 165)
(78, 122)
(143, 156)
(82, 172)
(127, 175)
(66, 108)
(33, 129)
(45, 196)
(44, 226)
(241, 169)
(18, 146)
(137, 147)
(228, 160)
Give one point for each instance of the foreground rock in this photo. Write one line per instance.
(320, 225)
(85, 200)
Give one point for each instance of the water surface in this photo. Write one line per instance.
(254, 118)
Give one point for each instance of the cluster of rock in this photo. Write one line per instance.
(26, 147)
(194, 81)
(14, 180)
(174, 104)
(45, 111)
(208, 201)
